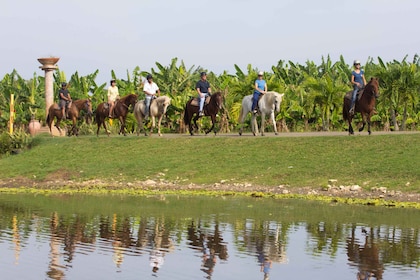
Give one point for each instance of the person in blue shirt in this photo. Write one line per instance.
(358, 81)
(203, 89)
(260, 87)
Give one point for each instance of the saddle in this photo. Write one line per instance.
(358, 96)
(196, 101)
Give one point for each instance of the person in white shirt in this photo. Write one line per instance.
(113, 95)
(150, 89)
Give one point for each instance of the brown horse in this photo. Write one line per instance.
(365, 104)
(73, 112)
(210, 109)
(120, 112)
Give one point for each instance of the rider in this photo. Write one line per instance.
(113, 95)
(150, 88)
(65, 99)
(203, 89)
(260, 89)
(358, 81)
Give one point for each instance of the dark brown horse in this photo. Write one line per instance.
(210, 109)
(73, 112)
(365, 104)
(120, 112)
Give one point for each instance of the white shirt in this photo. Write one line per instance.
(150, 88)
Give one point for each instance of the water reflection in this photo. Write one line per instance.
(210, 241)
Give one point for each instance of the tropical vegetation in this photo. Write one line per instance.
(313, 93)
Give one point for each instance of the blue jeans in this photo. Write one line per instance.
(255, 98)
(147, 101)
(353, 97)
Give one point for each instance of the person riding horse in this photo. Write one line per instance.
(150, 89)
(260, 88)
(358, 81)
(113, 95)
(203, 89)
(64, 100)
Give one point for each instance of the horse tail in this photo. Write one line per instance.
(49, 120)
(185, 114)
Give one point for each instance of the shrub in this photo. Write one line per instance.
(14, 143)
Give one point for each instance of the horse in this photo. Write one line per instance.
(120, 112)
(211, 108)
(73, 112)
(365, 104)
(268, 104)
(158, 108)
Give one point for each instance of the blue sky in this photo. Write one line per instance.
(120, 35)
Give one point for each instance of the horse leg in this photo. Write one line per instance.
(159, 122)
(213, 120)
(262, 123)
(195, 122)
(368, 122)
(57, 125)
(363, 122)
(273, 119)
(123, 130)
(152, 127)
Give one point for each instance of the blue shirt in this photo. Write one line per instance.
(260, 85)
(358, 77)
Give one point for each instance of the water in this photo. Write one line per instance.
(170, 237)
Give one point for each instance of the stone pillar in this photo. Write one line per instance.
(48, 65)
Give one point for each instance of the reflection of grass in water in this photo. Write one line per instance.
(378, 160)
(229, 209)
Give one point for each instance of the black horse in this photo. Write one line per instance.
(365, 105)
(211, 108)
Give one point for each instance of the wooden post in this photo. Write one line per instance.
(12, 113)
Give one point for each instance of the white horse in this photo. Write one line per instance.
(158, 108)
(268, 104)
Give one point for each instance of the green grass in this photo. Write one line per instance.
(390, 161)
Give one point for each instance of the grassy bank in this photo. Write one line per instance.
(390, 161)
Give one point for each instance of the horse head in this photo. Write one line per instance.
(130, 99)
(218, 99)
(88, 107)
(372, 87)
(277, 101)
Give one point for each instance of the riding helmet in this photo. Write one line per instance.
(356, 62)
(261, 73)
(203, 74)
(149, 76)
(63, 84)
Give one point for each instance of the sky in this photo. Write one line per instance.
(104, 35)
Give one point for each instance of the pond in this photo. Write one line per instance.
(196, 237)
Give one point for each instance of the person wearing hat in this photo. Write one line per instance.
(260, 88)
(64, 99)
(203, 89)
(358, 81)
(113, 95)
(150, 89)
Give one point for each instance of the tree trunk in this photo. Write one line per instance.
(394, 120)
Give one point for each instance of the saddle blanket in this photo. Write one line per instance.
(196, 101)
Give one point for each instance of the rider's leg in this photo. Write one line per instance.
(147, 106)
(353, 99)
(111, 109)
(255, 101)
(202, 99)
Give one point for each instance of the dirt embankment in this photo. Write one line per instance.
(331, 191)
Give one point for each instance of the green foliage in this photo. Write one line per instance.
(14, 143)
(313, 93)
